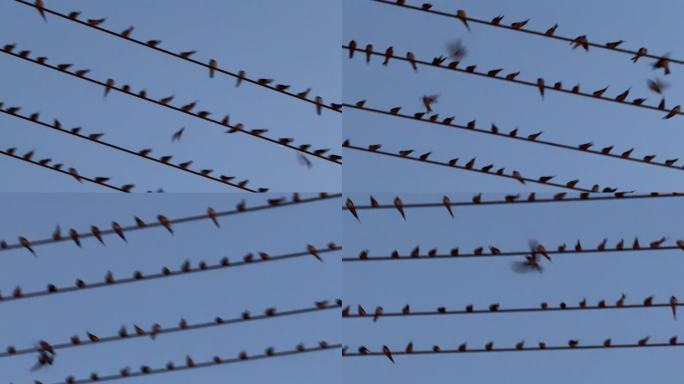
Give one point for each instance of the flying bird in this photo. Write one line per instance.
(664, 63)
(428, 100)
(456, 49)
(656, 85)
(177, 135)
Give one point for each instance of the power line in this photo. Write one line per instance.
(265, 83)
(210, 215)
(170, 367)
(155, 331)
(28, 158)
(206, 173)
(550, 33)
(374, 149)
(531, 138)
(476, 200)
(481, 252)
(463, 348)
(496, 309)
(511, 78)
(185, 269)
(186, 109)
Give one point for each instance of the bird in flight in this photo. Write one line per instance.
(177, 135)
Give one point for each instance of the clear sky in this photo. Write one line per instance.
(284, 285)
(295, 43)
(563, 118)
(455, 283)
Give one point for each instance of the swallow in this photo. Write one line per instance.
(26, 244)
(602, 246)
(518, 177)
(166, 100)
(164, 221)
(540, 85)
(461, 15)
(73, 234)
(457, 51)
(108, 86)
(643, 341)
(352, 209)
(573, 343)
(188, 107)
(153, 43)
(657, 85)
(96, 232)
(388, 353)
(519, 24)
(319, 105)
(92, 337)
(497, 20)
(621, 97)
(96, 22)
(304, 94)
(378, 312)
(399, 205)
(412, 59)
(352, 48)
(680, 244)
(673, 112)
(580, 41)
(312, 250)
(369, 52)
(614, 44)
(177, 135)
(428, 100)
(551, 31)
(658, 243)
(607, 343)
(57, 234)
(127, 32)
(664, 63)
(389, 52)
(41, 9)
(118, 230)
(447, 204)
(648, 301)
(640, 53)
(600, 92)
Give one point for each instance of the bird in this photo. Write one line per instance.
(461, 15)
(177, 135)
(75, 237)
(409, 347)
(399, 205)
(187, 54)
(656, 85)
(428, 100)
(378, 312)
(388, 353)
(518, 177)
(352, 209)
(540, 85)
(164, 221)
(319, 105)
(447, 204)
(673, 305)
(389, 52)
(614, 44)
(551, 31)
(352, 48)
(96, 22)
(212, 215)
(126, 33)
(580, 41)
(212, 67)
(369, 52)
(640, 53)
(26, 244)
(312, 250)
(673, 112)
(109, 84)
(40, 6)
(97, 233)
(519, 24)
(412, 59)
(118, 230)
(456, 49)
(664, 63)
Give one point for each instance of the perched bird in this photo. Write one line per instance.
(541, 86)
(118, 230)
(164, 221)
(96, 22)
(369, 52)
(614, 44)
(126, 33)
(389, 52)
(640, 53)
(412, 59)
(551, 31)
(352, 209)
(109, 84)
(664, 63)
(378, 312)
(97, 233)
(519, 24)
(399, 205)
(319, 105)
(428, 100)
(388, 353)
(673, 305)
(581, 41)
(447, 204)
(673, 112)
(41, 8)
(240, 76)
(212, 215)
(312, 250)
(518, 177)
(212, 67)
(26, 244)
(177, 135)
(75, 237)
(352, 48)
(461, 15)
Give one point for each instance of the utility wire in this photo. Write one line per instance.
(205, 173)
(210, 215)
(127, 373)
(185, 269)
(500, 173)
(532, 138)
(203, 115)
(280, 88)
(511, 78)
(10, 152)
(123, 334)
(550, 34)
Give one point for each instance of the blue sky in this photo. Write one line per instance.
(563, 118)
(456, 283)
(284, 285)
(293, 43)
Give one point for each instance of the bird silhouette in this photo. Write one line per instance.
(369, 52)
(551, 31)
(461, 15)
(673, 112)
(164, 221)
(456, 49)
(519, 24)
(540, 86)
(97, 233)
(40, 7)
(177, 135)
(447, 204)
(75, 237)
(614, 44)
(664, 63)
(412, 59)
(388, 353)
(312, 250)
(640, 53)
(389, 52)
(352, 48)
(673, 305)
(212, 215)
(127, 32)
(352, 209)
(399, 205)
(26, 244)
(428, 100)
(580, 41)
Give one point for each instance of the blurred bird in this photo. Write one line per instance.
(212, 215)
(673, 305)
(378, 312)
(26, 244)
(412, 59)
(389, 52)
(388, 353)
(614, 44)
(41, 8)
(312, 250)
(540, 86)
(97, 233)
(519, 24)
(537, 248)
(428, 100)
(352, 209)
(664, 63)
(673, 112)
(126, 33)
(399, 205)
(456, 49)
(96, 22)
(369, 52)
(640, 53)
(581, 41)
(518, 177)
(447, 204)
(177, 135)
(461, 15)
(118, 230)
(551, 31)
(656, 85)
(164, 221)
(352, 48)
(75, 237)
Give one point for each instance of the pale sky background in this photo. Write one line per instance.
(286, 284)
(295, 43)
(563, 118)
(454, 283)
